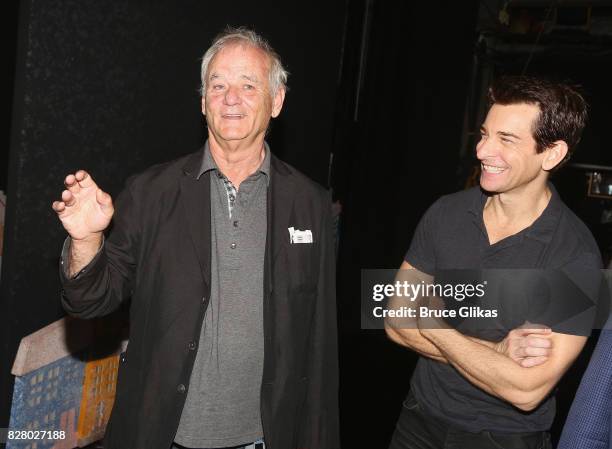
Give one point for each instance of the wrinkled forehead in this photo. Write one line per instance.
(240, 59)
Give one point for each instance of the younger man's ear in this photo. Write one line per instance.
(554, 154)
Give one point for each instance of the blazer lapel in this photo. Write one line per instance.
(195, 199)
(280, 205)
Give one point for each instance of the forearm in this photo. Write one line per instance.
(405, 332)
(105, 270)
(412, 339)
(81, 253)
(99, 288)
(491, 371)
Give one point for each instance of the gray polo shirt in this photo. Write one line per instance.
(222, 407)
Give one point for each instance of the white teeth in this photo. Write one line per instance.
(492, 169)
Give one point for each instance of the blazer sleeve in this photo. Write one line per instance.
(320, 426)
(589, 422)
(109, 279)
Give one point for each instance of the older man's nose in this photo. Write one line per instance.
(232, 96)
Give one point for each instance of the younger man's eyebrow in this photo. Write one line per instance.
(507, 134)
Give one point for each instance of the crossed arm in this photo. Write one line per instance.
(522, 369)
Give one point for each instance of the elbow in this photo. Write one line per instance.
(526, 391)
(87, 309)
(401, 337)
(391, 333)
(527, 406)
(76, 311)
(72, 308)
(526, 401)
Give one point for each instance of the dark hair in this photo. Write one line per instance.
(563, 111)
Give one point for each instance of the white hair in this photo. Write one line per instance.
(277, 76)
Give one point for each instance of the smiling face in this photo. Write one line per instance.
(507, 149)
(237, 103)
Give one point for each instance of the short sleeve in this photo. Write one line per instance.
(582, 301)
(421, 254)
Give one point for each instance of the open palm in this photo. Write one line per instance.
(84, 210)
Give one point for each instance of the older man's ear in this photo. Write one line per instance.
(277, 102)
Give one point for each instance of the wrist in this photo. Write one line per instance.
(89, 240)
(500, 347)
(425, 332)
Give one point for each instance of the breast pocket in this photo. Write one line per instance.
(300, 265)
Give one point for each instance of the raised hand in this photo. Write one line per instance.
(84, 210)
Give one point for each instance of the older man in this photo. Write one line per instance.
(227, 256)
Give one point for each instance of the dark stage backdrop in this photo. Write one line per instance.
(112, 87)
(8, 20)
(395, 155)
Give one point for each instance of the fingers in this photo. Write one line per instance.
(68, 198)
(84, 179)
(532, 352)
(71, 184)
(58, 206)
(530, 362)
(532, 330)
(79, 179)
(536, 342)
(531, 346)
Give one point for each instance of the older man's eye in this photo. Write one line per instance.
(217, 86)
(249, 87)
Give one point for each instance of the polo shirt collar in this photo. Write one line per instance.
(208, 163)
(545, 225)
(541, 229)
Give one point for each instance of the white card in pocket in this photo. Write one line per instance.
(297, 236)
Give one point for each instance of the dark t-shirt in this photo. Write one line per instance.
(451, 235)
